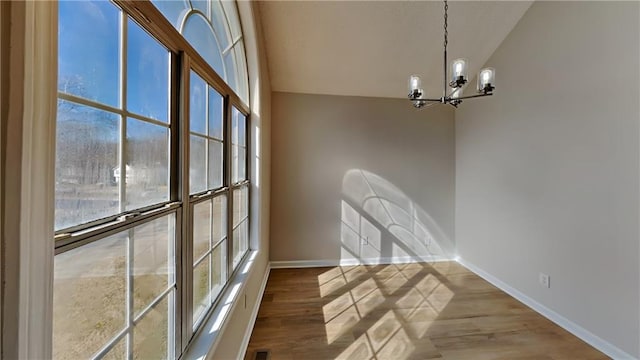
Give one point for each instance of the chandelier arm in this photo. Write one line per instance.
(427, 100)
(474, 96)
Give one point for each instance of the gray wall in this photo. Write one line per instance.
(547, 170)
(357, 178)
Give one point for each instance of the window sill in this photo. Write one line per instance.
(208, 335)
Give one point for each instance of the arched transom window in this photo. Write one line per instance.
(213, 28)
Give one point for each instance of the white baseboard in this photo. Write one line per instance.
(353, 262)
(303, 264)
(254, 315)
(582, 333)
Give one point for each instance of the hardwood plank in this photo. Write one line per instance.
(406, 311)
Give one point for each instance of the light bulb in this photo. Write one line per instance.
(414, 83)
(486, 80)
(458, 72)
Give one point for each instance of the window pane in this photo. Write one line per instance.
(201, 229)
(240, 205)
(88, 50)
(220, 24)
(239, 163)
(201, 5)
(230, 65)
(197, 165)
(215, 164)
(219, 218)
(243, 80)
(231, 11)
(242, 163)
(151, 335)
(153, 269)
(219, 269)
(234, 164)
(173, 10)
(240, 242)
(89, 297)
(147, 75)
(215, 114)
(238, 148)
(86, 162)
(200, 34)
(238, 128)
(197, 104)
(201, 299)
(240, 223)
(147, 170)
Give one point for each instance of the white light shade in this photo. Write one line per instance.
(457, 93)
(414, 83)
(486, 78)
(458, 69)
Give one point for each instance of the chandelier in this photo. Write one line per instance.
(485, 86)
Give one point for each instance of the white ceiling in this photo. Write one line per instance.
(369, 48)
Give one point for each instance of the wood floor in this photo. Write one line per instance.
(409, 311)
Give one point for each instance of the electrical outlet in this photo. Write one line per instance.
(545, 280)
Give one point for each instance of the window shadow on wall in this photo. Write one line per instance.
(381, 224)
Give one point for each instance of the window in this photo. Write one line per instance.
(213, 29)
(206, 136)
(209, 219)
(117, 290)
(151, 193)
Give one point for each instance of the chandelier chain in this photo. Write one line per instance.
(446, 32)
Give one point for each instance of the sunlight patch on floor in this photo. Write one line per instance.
(387, 319)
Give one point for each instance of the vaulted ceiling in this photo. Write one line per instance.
(369, 48)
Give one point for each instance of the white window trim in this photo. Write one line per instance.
(208, 335)
(37, 180)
